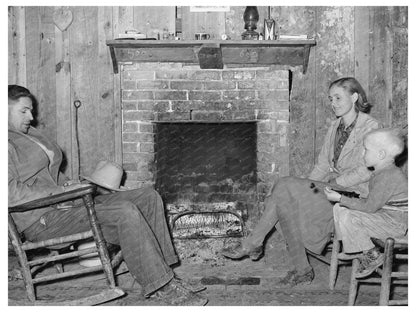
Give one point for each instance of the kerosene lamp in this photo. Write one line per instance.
(251, 17)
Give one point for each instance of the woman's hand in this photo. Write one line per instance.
(332, 195)
(330, 177)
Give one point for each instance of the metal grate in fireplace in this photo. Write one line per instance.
(206, 174)
(207, 224)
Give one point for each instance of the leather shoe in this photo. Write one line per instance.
(192, 287)
(237, 251)
(295, 277)
(173, 293)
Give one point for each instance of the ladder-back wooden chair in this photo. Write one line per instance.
(395, 253)
(335, 245)
(333, 262)
(29, 267)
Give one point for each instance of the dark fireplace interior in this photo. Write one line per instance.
(201, 163)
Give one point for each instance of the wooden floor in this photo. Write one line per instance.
(223, 288)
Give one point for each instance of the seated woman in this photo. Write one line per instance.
(300, 205)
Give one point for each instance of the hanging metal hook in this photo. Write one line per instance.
(77, 105)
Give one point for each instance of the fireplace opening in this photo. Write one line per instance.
(203, 170)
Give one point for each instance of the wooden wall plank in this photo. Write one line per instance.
(152, 20)
(12, 50)
(212, 23)
(335, 59)
(379, 95)
(362, 46)
(234, 22)
(63, 100)
(122, 20)
(105, 87)
(83, 43)
(17, 46)
(389, 67)
(90, 86)
(302, 104)
(399, 104)
(367, 42)
(40, 66)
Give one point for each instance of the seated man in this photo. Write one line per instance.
(134, 219)
(383, 213)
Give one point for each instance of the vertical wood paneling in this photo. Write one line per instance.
(96, 130)
(380, 61)
(122, 20)
(389, 68)
(212, 23)
(234, 23)
(362, 46)
(63, 100)
(40, 64)
(152, 20)
(369, 43)
(104, 95)
(335, 59)
(400, 67)
(17, 46)
(302, 99)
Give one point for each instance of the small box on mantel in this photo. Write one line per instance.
(132, 36)
(293, 37)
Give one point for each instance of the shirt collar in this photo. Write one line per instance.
(350, 127)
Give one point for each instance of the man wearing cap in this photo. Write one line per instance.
(133, 219)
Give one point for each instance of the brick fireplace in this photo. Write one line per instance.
(187, 103)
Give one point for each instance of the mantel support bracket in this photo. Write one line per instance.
(210, 57)
(306, 52)
(113, 58)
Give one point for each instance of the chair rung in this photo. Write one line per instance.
(53, 277)
(63, 256)
(104, 296)
(400, 256)
(398, 302)
(57, 241)
(377, 280)
(399, 274)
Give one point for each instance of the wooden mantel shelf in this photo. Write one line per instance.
(213, 54)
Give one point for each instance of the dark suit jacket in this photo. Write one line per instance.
(32, 173)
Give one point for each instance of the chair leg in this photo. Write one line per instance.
(99, 240)
(333, 268)
(21, 255)
(353, 283)
(386, 275)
